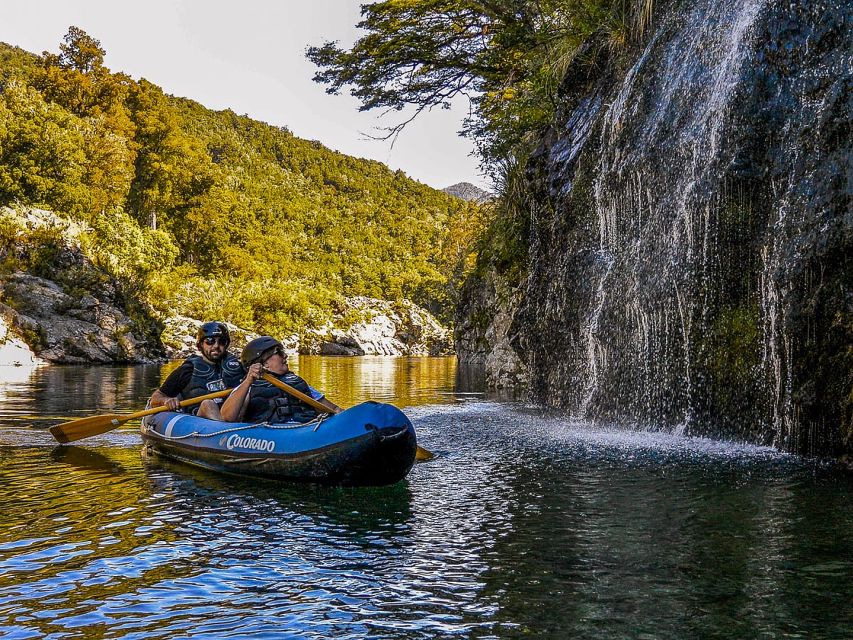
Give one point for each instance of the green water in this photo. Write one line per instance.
(524, 526)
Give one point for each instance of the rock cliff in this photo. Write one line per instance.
(78, 315)
(692, 231)
(66, 329)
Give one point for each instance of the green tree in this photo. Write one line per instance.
(171, 168)
(109, 167)
(128, 252)
(76, 77)
(77, 80)
(424, 53)
(42, 157)
(506, 56)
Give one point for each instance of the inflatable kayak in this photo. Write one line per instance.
(369, 444)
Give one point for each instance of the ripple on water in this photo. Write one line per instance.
(523, 525)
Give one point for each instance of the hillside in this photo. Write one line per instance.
(206, 213)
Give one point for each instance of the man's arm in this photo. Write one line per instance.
(169, 392)
(158, 399)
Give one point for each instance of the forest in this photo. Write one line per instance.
(208, 213)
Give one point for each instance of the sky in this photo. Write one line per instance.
(249, 56)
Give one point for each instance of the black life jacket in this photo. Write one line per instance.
(270, 404)
(209, 377)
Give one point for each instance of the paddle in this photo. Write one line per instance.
(94, 425)
(421, 455)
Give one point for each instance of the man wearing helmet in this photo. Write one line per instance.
(213, 370)
(256, 400)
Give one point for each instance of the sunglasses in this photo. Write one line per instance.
(278, 352)
(214, 340)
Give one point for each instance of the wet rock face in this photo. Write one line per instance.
(482, 332)
(61, 328)
(692, 251)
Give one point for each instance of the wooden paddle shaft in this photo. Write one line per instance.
(182, 403)
(296, 393)
(94, 425)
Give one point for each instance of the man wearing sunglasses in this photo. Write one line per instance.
(213, 369)
(256, 400)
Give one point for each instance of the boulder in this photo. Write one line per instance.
(13, 350)
(65, 329)
(384, 328)
(335, 349)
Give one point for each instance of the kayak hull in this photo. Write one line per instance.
(371, 444)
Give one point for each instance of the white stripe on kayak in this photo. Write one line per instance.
(171, 425)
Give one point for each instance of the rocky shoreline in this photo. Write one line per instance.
(77, 314)
(386, 329)
(40, 323)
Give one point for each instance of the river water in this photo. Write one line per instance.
(523, 526)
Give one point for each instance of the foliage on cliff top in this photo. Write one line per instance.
(213, 214)
(508, 57)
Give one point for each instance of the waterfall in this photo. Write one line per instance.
(692, 81)
(692, 259)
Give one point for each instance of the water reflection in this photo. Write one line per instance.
(51, 394)
(42, 396)
(526, 525)
(402, 381)
(85, 459)
(357, 509)
(165, 544)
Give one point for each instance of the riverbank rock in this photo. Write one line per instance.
(179, 336)
(365, 326)
(13, 350)
(65, 308)
(67, 329)
(382, 328)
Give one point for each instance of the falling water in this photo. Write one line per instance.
(681, 286)
(674, 227)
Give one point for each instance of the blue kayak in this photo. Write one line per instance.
(368, 445)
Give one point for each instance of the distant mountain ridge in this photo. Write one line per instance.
(469, 192)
